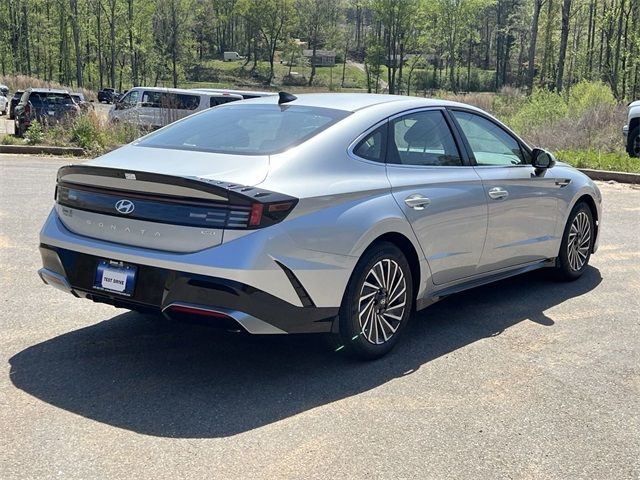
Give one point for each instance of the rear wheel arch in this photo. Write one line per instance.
(408, 249)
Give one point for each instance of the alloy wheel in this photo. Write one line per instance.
(382, 302)
(579, 241)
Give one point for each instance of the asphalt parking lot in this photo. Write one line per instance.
(524, 379)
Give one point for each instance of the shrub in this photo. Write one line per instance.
(57, 136)
(508, 102)
(86, 132)
(587, 95)
(541, 109)
(34, 133)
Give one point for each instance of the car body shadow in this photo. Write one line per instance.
(187, 381)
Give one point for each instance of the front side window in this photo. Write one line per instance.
(424, 139)
(130, 99)
(491, 144)
(246, 129)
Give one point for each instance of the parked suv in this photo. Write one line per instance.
(13, 102)
(45, 105)
(632, 129)
(107, 95)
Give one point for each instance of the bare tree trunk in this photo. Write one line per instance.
(531, 70)
(132, 52)
(547, 43)
(99, 40)
(564, 38)
(76, 40)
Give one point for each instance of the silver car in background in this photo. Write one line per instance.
(327, 213)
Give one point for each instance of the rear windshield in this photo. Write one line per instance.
(50, 98)
(246, 129)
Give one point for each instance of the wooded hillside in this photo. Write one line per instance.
(404, 46)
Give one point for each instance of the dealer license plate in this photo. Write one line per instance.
(116, 277)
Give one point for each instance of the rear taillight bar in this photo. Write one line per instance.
(238, 207)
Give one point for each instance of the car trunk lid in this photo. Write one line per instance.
(172, 212)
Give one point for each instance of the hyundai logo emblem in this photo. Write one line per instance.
(125, 206)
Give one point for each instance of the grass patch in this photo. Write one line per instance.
(613, 161)
(7, 139)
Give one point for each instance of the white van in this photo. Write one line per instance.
(155, 107)
(231, 56)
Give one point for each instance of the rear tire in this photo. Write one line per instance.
(633, 143)
(577, 243)
(377, 303)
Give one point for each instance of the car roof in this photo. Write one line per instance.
(46, 90)
(352, 102)
(179, 90)
(237, 92)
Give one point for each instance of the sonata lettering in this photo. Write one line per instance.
(142, 231)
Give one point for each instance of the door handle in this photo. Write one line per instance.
(563, 182)
(498, 193)
(417, 201)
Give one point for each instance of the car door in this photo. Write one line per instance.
(440, 194)
(522, 202)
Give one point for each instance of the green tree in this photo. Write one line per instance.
(272, 19)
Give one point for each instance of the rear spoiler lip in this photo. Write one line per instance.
(232, 192)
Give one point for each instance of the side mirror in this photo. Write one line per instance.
(542, 159)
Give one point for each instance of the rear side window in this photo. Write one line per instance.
(423, 139)
(372, 146)
(213, 101)
(246, 129)
(168, 100)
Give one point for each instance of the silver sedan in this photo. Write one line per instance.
(330, 213)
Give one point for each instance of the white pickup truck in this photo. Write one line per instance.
(632, 129)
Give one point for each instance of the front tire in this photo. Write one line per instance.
(633, 144)
(577, 243)
(377, 303)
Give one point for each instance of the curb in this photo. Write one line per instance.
(605, 175)
(42, 150)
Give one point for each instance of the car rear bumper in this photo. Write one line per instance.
(625, 130)
(178, 294)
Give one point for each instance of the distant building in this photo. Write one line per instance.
(322, 58)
